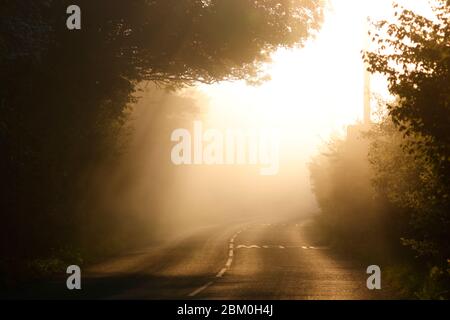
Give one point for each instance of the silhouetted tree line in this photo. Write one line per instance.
(62, 94)
(391, 186)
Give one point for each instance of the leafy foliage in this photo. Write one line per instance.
(414, 54)
(408, 153)
(411, 187)
(341, 181)
(63, 93)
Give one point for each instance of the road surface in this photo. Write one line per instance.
(243, 261)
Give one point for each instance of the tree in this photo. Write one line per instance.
(341, 181)
(184, 41)
(63, 93)
(409, 185)
(411, 149)
(414, 54)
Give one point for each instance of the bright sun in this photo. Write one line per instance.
(315, 91)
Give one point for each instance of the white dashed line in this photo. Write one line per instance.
(221, 273)
(196, 292)
(224, 270)
(254, 246)
(242, 246)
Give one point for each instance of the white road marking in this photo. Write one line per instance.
(196, 292)
(221, 273)
(242, 246)
(254, 246)
(223, 270)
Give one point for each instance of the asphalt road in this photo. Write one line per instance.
(242, 261)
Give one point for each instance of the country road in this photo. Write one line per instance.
(243, 261)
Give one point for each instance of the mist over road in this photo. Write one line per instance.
(259, 260)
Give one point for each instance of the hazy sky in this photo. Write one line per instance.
(314, 92)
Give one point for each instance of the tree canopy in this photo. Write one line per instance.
(63, 92)
(169, 41)
(414, 53)
(404, 197)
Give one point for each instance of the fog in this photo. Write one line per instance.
(145, 184)
(170, 199)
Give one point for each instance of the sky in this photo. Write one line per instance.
(315, 92)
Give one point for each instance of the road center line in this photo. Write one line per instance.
(254, 246)
(196, 292)
(223, 270)
(221, 273)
